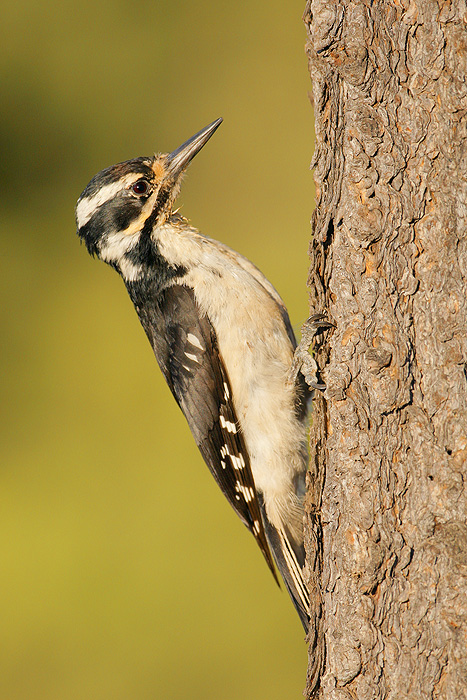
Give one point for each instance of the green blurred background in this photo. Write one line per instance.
(124, 573)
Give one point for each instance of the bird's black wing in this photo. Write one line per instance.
(186, 348)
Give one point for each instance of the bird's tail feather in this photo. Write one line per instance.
(289, 556)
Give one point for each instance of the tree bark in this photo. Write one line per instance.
(387, 511)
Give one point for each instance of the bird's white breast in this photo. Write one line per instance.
(256, 351)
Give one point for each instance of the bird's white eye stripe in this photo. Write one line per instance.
(193, 340)
(88, 205)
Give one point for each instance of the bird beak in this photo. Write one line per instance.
(179, 159)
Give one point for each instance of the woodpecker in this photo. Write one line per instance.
(222, 337)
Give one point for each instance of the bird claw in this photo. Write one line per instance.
(303, 362)
(318, 321)
(318, 385)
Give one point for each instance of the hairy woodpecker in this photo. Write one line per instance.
(223, 340)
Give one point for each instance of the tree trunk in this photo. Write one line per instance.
(387, 532)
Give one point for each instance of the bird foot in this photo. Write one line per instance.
(303, 362)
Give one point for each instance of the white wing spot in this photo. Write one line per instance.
(246, 491)
(231, 427)
(238, 463)
(223, 464)
(226, 392)
(256, 527)
(192, 357)
(194, 341)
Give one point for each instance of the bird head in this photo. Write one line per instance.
(125, 202)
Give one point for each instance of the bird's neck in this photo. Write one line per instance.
(145, 271)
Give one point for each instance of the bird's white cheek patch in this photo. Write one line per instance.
(116, 245)
(130, 272)
(114, 249)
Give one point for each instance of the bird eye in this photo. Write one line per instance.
(140, 187)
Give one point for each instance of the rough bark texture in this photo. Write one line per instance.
(389, 265)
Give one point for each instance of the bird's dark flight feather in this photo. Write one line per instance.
(185, 345)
